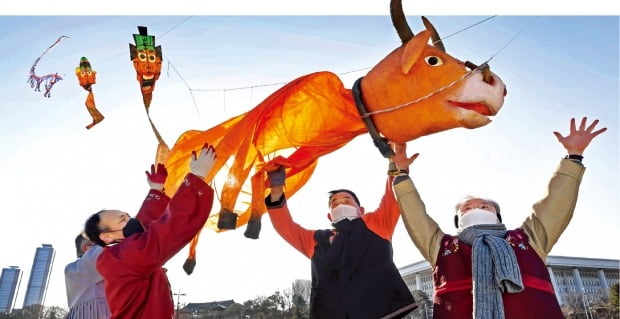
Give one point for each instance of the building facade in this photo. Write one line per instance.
(39, 275)
(9, 286)
(586, 278)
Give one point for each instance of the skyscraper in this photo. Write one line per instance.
(9, 285)
(39, 275)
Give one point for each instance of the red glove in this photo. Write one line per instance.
(157, 178)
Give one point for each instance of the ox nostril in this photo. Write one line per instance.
(490, 80)
(486, 74)
(484, 68)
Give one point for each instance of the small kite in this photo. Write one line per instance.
(147, 60)
(87, 77)
(416, 90)
(50, 79)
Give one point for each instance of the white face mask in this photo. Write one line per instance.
(477, 216)
(342, 211)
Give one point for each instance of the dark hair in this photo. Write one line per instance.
(92, 230)
(342, 190)
(78, 244)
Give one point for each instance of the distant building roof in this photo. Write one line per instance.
(208, 306)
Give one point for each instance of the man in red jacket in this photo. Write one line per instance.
(135, 250)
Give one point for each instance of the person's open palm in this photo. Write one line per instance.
(400, 156)
(579, 138)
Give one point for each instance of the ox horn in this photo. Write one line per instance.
(434, 34)
(400, 21)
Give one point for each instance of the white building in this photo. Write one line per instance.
(570, 276)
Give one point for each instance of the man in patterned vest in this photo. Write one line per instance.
(486, 270)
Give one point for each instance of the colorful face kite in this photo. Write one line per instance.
(146, 59)
(85, 74)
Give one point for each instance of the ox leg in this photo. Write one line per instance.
(253, 228)
(189, 265)
(227, 219)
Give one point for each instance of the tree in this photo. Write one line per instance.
(302, 289)
(574, 306)
(36, 312)
(299, 296)
(54, 312)
(28, 312)
(260, 308)
(300, 308)
(282, 305)
(290, 303)
(234, 311)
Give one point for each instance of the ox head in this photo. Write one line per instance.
(418, 89)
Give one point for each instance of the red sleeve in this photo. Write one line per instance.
(383, 220)
(153, 207)
(183, 217)
(300, 238)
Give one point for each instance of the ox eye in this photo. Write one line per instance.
(433, 60)
(89, 73)
(142, 56)
(152, 57)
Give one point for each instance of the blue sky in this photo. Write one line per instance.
(56, 173)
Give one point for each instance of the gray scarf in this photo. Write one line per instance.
(494, 269)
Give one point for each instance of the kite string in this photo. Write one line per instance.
(342, 73)
(174, 27)
(464, 29)
(513, 38)
(159, 36)
(186, 85)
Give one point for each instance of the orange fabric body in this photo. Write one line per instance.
(313, 114)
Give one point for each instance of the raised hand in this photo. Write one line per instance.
(277, 177)
(202, 164)
(157, 177)
(400, 156)
(579, 138)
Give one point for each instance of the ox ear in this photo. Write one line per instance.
(413, 49)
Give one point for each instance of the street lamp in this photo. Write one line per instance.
(178, 294)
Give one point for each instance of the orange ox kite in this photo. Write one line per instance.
(418, 89)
